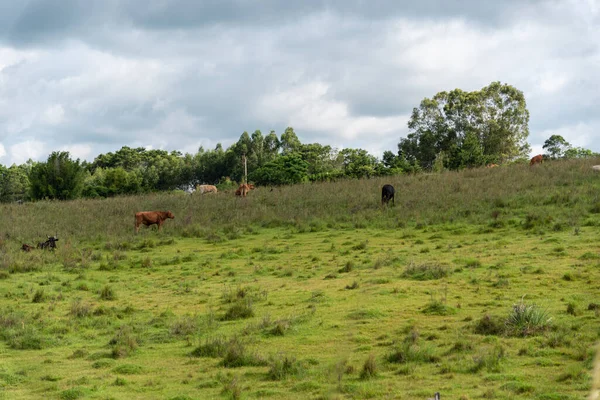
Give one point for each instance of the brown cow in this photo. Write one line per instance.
(536, 160)
(206, 189)
(491, 165)
(244, 189)
(151, 217)
(27, 247)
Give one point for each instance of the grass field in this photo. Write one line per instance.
(479, 284)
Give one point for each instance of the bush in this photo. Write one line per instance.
(39, 296)
(236, 355)
(425, 272)
(489, 325)
(124, 342)
(281, 367)
(369, 369)
(211, 348)
(107, 293)
(527, 320)
(239, 310)
(489, 359)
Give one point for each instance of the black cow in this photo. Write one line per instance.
(48, 244)
(387, 194)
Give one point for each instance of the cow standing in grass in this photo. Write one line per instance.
(243, 189)
(387, 194)
(536, 160)
(206, 189)
(151, 217)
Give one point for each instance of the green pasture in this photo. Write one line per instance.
(479, 284)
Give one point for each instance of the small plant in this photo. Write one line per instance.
(282, 366)
(527, 320)
(437, 307)
(214, 348)
(184, 326)
(79, 309)
(488, 360)
(489, 325)
(237, 355)
(425, 272)
(347, 268)
(352, 286)
(369, 369)
(128, 369)
(124, 342)
(107, 293)
(239, 310)
(232, 388)
(39, 296)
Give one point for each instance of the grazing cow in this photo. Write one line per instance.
(151, 217)
(26, 247)
(387, 194)
(536, 160)
(596, 167)
(206, 189)
(243, 189)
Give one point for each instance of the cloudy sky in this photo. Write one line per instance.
(92, 76)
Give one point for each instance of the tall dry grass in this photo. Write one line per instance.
(562, 192)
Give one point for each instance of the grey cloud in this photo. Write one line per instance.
(181, 73)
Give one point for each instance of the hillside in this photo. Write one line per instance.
(476, 284)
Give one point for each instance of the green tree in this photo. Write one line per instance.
(59, 177)
(496, 116)
(579, 152)
(289, 141)
(14, 183)
(556, 146)
(284, 170)
(358, 163)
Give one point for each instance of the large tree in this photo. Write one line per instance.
(556, 146)
(448, 124)
(59, 177)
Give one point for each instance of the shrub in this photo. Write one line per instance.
(79, 309)
(107, 293)
(347, 268)
(527, 320)
(281, 367)
(71, 394)
(39, 296)
(412, 352)
(489, 325)
(128, 369)
(214, 348)
(488, 359)
(236, 355)
(425, 272)
(239, 310)
(184, 326)
(436, 307)
(369, 369)
(124, 342)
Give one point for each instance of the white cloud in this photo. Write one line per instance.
(23, 151)
(309, 107)
(81, 151)
(54, 115)
(346, 73)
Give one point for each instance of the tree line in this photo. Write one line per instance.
(451, 131)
